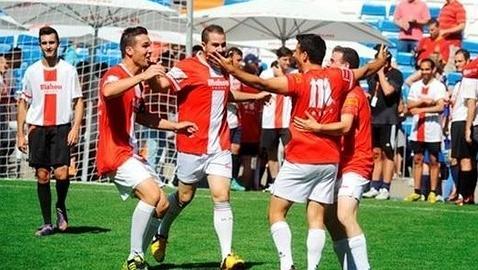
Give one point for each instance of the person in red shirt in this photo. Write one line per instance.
(309, 171)
(356, 164)
(121, 104)
(433, 47)
(203, 91)
(452, 21)
(50, 98)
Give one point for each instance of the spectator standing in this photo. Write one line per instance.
(426, 101)
(386, 91)
(452, 21)
(410, 16)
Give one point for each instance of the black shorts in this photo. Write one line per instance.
(433, 148)
(459, 147)
(48, 146)
(235, 134)
(270, 138)
(384, 136)
(249, 149)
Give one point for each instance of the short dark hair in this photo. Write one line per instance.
(314, 45)
(128, 37)
(213, 28)
(48, 30)
(351, 56)
(234, 50)
(466, 53)
(432, 63)
(197, 48)
(433, 21)
(283, 51)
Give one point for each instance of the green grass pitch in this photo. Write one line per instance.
(400, 235)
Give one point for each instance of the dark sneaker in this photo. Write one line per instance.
(44, 230)
(61, 219)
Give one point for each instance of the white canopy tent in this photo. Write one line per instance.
(284, 19)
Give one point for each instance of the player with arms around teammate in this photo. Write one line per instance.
(309, 171)
(120, 106)
(50, 86)
(203, 91)
(356, 164)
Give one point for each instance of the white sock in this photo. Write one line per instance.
(223, 223)
(358, 250)
(139, 225)
(283, 240)
(171, 214)
(152, 230)
(315, 245)
(341, 249)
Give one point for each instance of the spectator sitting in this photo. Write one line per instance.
(410, 16)
(433, 46)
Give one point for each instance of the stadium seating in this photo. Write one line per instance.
(434, 12)
(388, 26)
(162, 2)
(4, 48)
(25, 40)
(391, 11)
(453, 78)
(229, 2)
(471, 46)
(8, 40)
(405, 59)
(373, 12)
(31, 54)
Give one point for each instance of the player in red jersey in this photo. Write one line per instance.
(121, 105)
(310, 167)
(50, 87)
(203, 91)
(356, 164)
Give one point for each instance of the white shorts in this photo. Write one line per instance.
(351, 185)
(302, 182)
(193, 168)
(131, 173)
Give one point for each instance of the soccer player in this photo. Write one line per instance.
(203, 91)
(426, 101)
(120, 106)
(50, 86)
(309, 171)
(356, 164)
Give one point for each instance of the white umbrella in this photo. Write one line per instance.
(284, 19)
(95, 13)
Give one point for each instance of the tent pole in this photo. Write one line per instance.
(189, 26)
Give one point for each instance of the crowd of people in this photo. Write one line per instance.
(339, 141)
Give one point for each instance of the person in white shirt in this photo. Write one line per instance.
(426, 101)
(50, 85)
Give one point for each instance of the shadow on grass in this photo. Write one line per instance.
(85, 230)
(198, 266)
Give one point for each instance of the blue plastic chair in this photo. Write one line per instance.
(405, 59)
(8, 40)
(453, 77)
(470, 45)
(388, 26)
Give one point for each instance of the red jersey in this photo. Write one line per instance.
(357, 153)
(202, 98)
(427, 46)
(320, 92)
(471, 70)
(450, 16)
(250, 118)
(116, 117)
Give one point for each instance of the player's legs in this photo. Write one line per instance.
(280, 231)
(316, 233)
(376, 182)
(417, 148)
(270, 144)
(44, 198)
(62, 185)
(388, 145)
(434, 150)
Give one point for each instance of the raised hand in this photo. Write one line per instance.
(152, 71)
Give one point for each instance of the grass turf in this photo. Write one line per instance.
(400, 235)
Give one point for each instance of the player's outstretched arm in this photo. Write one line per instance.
(372, 67)
(153, 121)
(309, 124)
(277, 85)
(239, 96)
(115, 88)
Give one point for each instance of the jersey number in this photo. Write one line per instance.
(320, 94)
